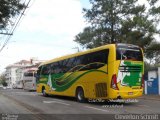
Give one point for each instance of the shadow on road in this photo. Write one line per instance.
(98, 102)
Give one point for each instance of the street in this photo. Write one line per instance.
(31, 105)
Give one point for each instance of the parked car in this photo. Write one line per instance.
(4, 87)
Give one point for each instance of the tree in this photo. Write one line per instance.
(3, 80)
(153, 53)
(8, 10)
(114, 21)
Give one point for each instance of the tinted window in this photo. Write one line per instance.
(45, 70)
(89, 61)
(94, 60)
(39, 70)
(129, 53)
(28, 74)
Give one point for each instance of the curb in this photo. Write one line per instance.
(157, 98)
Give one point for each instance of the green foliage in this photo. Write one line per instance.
(114, 21)
(3, 80)
(153, 53)
(147, 67)
(8, 10)
(4, 83)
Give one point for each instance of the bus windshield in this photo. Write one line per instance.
(28, 74)
(126, 52)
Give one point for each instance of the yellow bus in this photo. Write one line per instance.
(111, 71)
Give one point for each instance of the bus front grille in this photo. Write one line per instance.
(101, 89)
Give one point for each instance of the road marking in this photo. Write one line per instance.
(56, 102)
(23, 93)
(97, 109)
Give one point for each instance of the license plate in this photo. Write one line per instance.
(130, 93)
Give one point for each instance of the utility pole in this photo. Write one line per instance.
(78, 50)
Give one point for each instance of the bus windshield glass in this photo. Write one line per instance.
(129, 52)
(28, 74)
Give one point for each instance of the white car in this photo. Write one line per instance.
(4, 87)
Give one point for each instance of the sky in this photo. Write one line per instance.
(46, 31)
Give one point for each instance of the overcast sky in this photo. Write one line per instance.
(46, 31)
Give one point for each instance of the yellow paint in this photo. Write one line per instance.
(88, 81)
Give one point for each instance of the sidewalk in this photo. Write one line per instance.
(151, 97)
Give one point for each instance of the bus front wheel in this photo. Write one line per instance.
(80, 95)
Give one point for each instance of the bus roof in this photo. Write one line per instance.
(81, 53)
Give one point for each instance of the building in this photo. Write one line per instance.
(11, 72)
(20, 74)
(14, 72)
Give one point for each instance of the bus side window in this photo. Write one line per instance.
(52, 68)
(45, 70)
(38, 74)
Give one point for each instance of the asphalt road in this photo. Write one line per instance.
(20, 104)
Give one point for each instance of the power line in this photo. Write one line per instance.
(14, 27)
(6, 33)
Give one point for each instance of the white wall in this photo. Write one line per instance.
(151, 75)
(13, 75)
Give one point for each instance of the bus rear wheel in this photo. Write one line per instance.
(80, 95)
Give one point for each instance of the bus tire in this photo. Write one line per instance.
(44, 92)
(80, 95)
